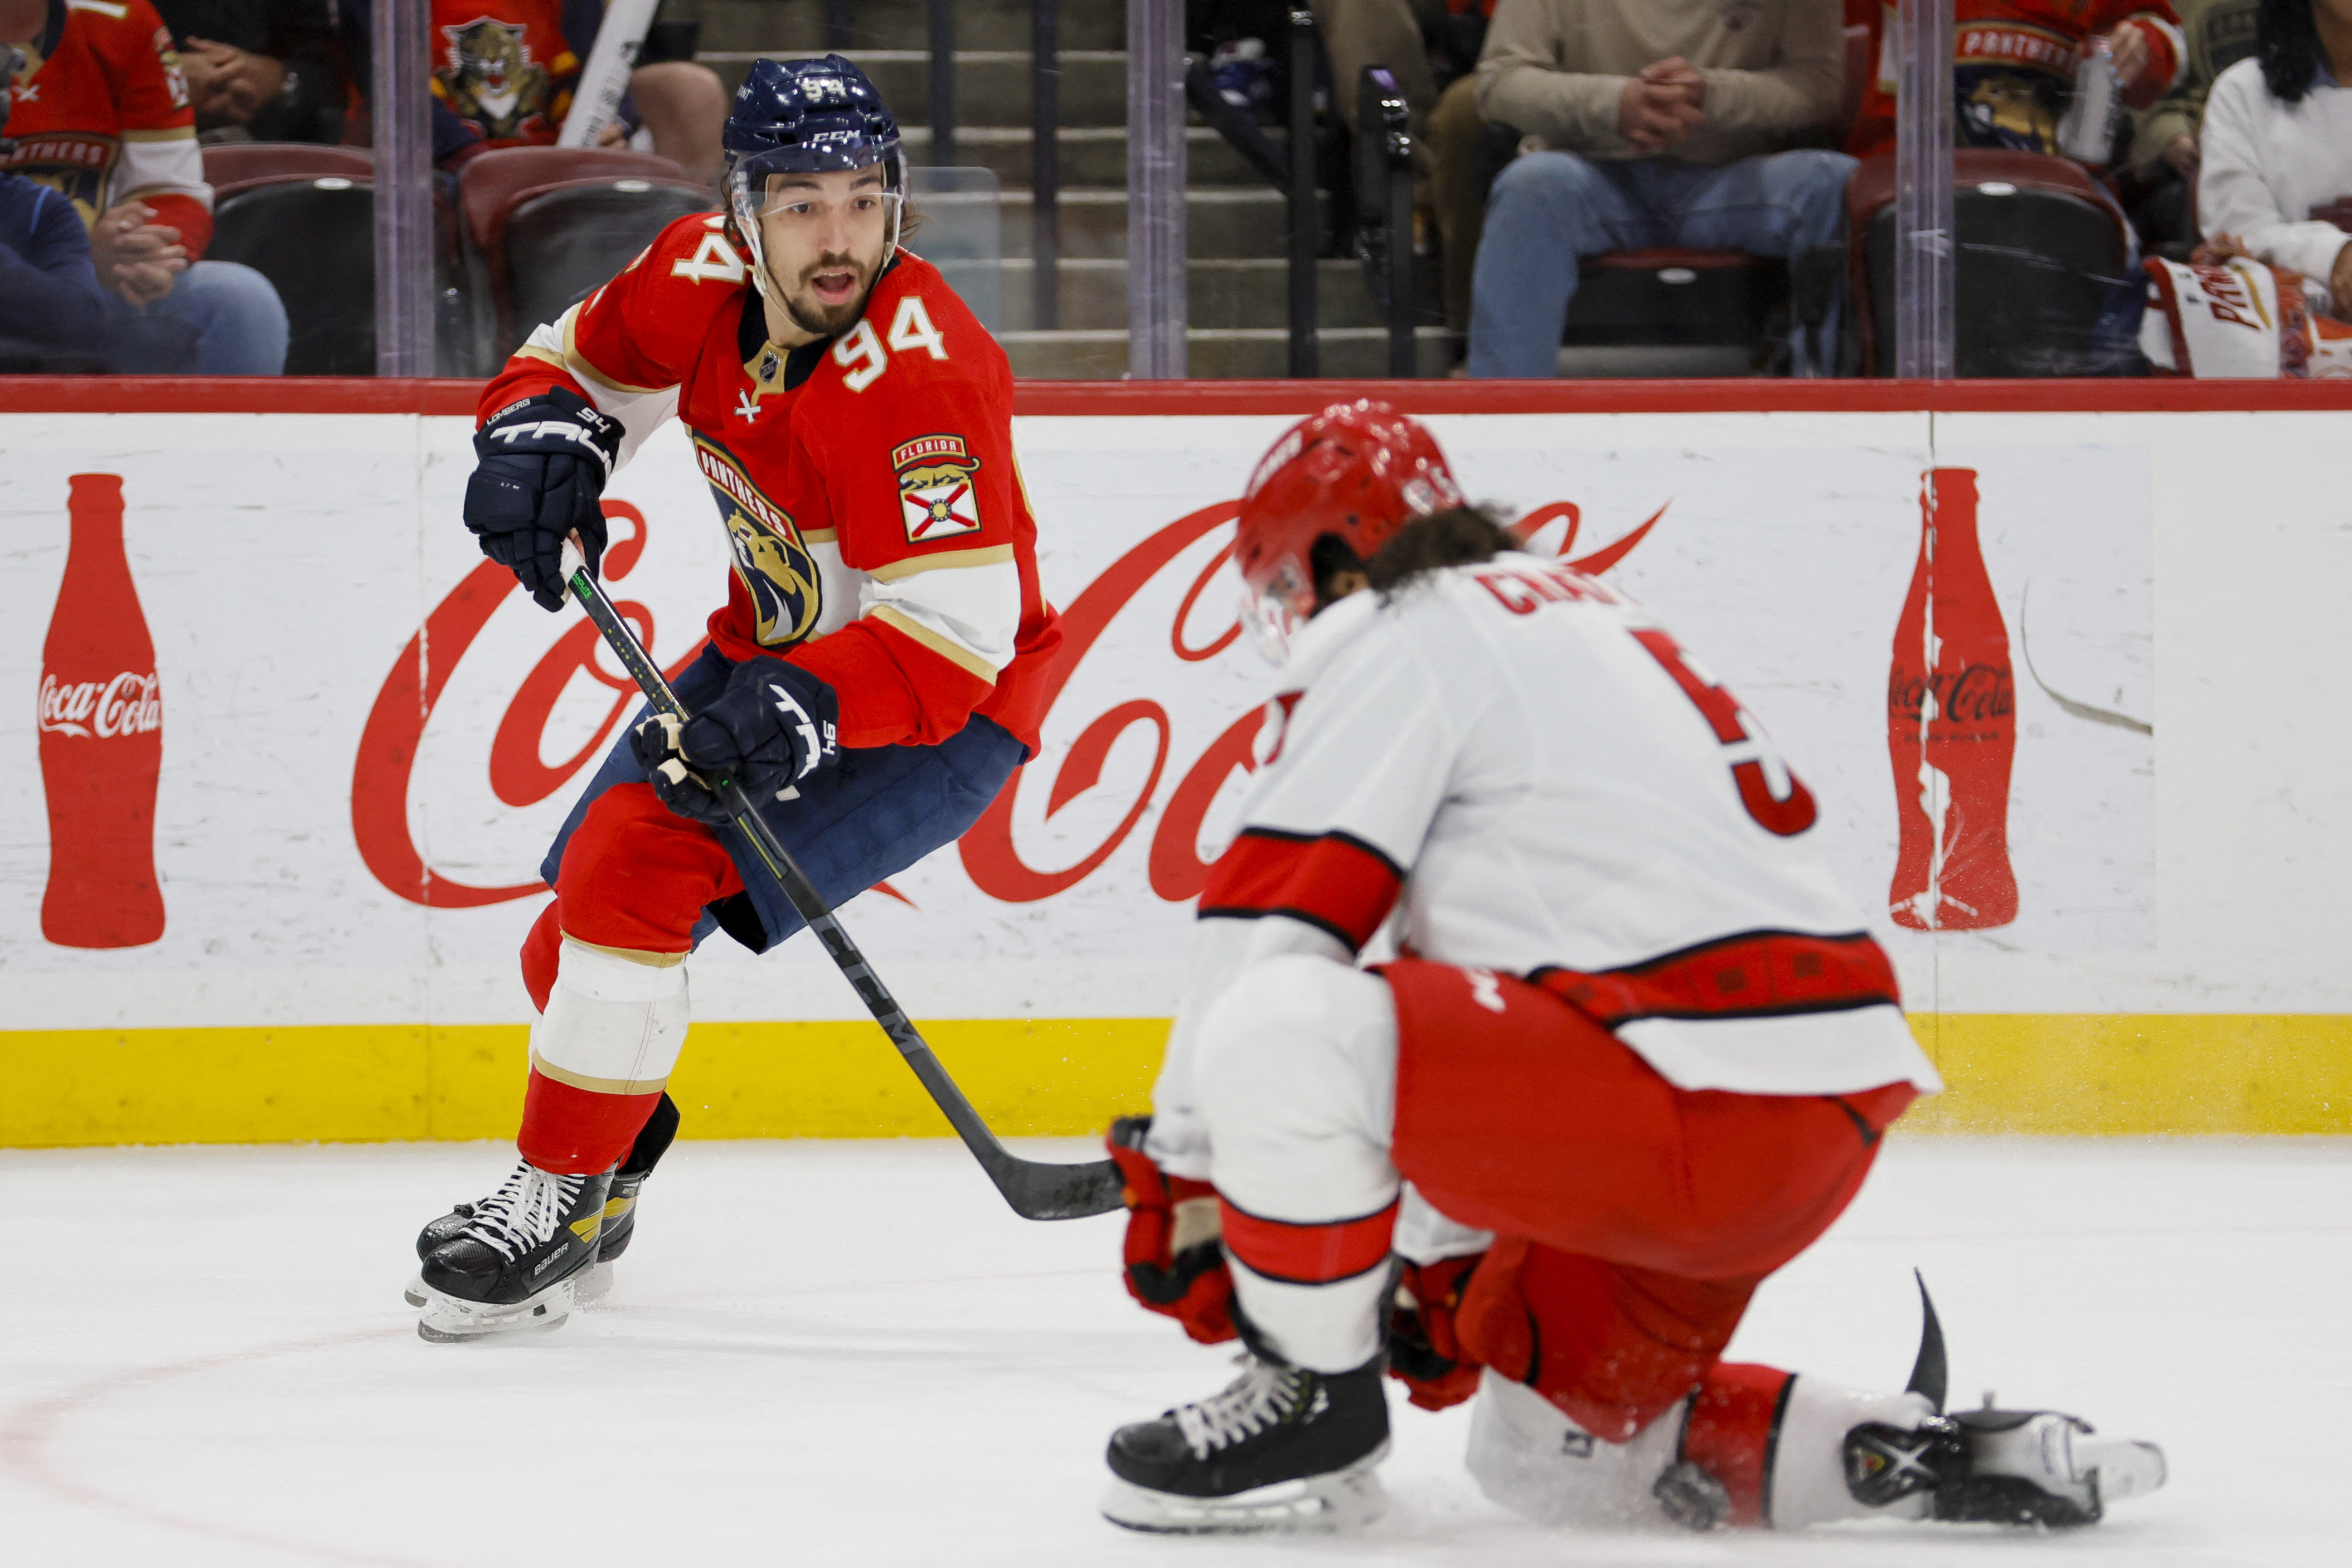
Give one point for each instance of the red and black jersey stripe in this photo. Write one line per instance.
(1755, 974)
(1307, 1253)
(1333, 880)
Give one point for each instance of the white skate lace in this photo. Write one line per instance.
(1262, 1396)
(525, 1210)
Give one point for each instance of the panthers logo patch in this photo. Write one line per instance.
(935, 488)
(491, 78)
(770, 558)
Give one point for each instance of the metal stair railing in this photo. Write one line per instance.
(1046, 162)
(1384, 208)
(1285, 169)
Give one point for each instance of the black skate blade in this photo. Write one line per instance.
(1346, 1498)
(1930, 1374)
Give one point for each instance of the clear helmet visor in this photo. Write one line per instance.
(1274, 612)
(806, 211)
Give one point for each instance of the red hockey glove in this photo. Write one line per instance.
(1425, 1353)
(1175, 1264)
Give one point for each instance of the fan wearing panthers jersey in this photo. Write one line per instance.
(1638, 1055)
(874, 677)
(2013, 66)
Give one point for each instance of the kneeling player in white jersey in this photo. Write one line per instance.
(1639, 1054)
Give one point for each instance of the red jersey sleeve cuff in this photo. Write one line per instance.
(186, 214)
(2163, 62)
(892, 689)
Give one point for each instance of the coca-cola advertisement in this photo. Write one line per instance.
(101, 746)
(301, 748)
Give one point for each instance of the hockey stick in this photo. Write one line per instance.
(1037, 1189)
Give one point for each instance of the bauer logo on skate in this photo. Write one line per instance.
(127, 705)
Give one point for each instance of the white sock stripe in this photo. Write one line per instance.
(601, 975)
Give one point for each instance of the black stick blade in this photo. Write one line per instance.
(1039, 1190)
(1930, 1374)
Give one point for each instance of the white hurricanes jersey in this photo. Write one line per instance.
(1516, 764)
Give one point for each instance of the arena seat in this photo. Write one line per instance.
(234, 166)
(304, 217)
(545, 225)
(1676, 299)
(2041, 248)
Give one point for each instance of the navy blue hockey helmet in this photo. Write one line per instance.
(806, 115)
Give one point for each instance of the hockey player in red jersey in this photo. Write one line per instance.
(875, 673)
(1639, 1052)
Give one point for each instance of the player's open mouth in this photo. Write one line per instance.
(835, 285)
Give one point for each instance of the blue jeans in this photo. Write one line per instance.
(237, 319)
(1547, 209)
(867, 817)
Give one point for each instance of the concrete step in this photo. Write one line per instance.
(786, 27)
(1220, 222)
(993, 86)
(1252, 292)
(1225, 353)
(1089, 154)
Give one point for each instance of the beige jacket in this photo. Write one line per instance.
(1556, 68)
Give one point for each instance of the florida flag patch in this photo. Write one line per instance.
(935, 488)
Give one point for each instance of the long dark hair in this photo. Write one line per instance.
(2287, 41)
(1462, 535)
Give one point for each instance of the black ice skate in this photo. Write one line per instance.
(1989, 1466)
(2002, 1467)
(620, 1209)
(1280, 1448)
(516, 1261)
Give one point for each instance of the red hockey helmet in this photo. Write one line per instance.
(1357, 470)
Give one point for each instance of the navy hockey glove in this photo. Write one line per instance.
(542, 464)
(773, 725)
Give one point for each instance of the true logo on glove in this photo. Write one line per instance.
(799, 718)
(935, 488)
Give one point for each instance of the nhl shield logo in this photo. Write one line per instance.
(935, 488)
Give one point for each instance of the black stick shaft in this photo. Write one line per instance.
(1036, 1190)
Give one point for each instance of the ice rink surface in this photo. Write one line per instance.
(852, 1354)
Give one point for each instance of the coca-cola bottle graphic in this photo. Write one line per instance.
(102, 729)
(1951, 726)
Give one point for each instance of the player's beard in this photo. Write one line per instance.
(812, 315)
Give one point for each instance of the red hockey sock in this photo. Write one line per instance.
(1734, 1424)
(540, 950)
(575, 1132)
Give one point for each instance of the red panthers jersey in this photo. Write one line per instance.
(2014, 69)
(100, 113)
(880, 532)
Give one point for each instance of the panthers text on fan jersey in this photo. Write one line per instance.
(100, 113)
(880, 532)
(2014, 65)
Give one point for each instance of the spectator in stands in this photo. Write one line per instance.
(100, 113)
(269, 70)
(52, 314)
(2164, 151)
(2277, 148)
(1663, 124)
(2013, 64)
(504, 71)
